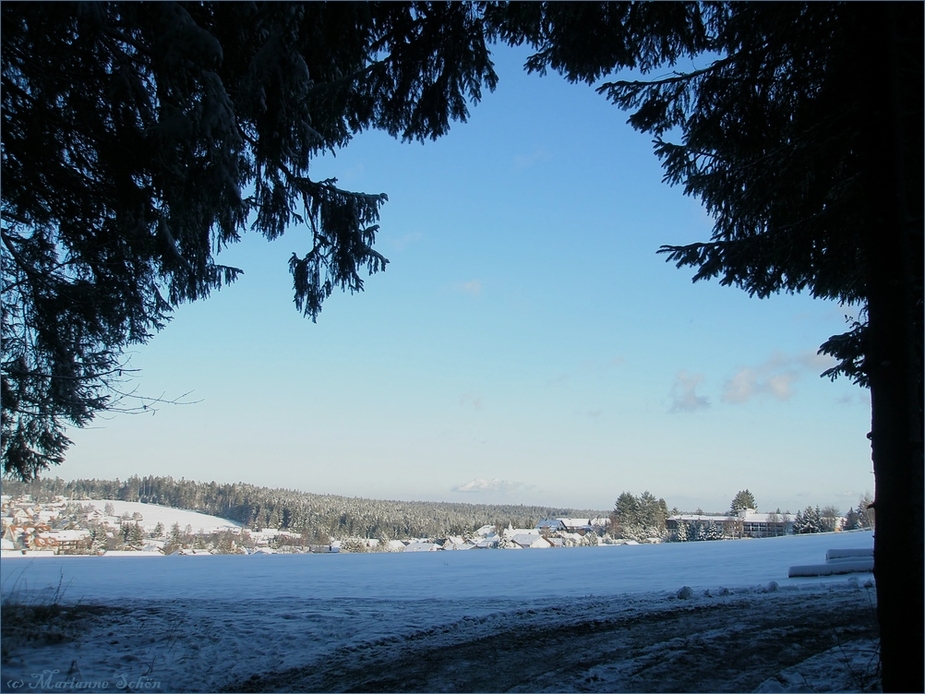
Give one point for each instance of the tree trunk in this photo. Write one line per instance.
(893, 360)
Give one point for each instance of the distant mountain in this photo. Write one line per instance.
(316, 515)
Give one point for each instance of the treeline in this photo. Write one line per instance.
(288, 509)
(639, 517)
(644, 517)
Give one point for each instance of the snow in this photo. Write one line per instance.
(214, 621)
(152, 514)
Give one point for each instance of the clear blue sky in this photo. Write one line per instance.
(526, 344)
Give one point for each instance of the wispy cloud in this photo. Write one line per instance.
(523, 161)
(472, 287)
(774, 377)
(684, 396)
(473, 400)
(480, 484)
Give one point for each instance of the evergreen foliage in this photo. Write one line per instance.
(861, 516)
(639, 518)
(318, 516)
(139, 139)
(799, 127)
(808, 521)
(742, 500)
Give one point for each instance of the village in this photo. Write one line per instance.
(121, 528)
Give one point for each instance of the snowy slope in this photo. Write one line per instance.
(165, 515)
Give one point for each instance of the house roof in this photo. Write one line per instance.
(530, 540)
(421, 547)
(551, 523)
(751, 516)
(576, 522)
(68, 535)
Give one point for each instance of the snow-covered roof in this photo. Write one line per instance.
(703, 518)
(575, 522)
(551, 523)
(750, 516)
(67, 535)
(421, 547)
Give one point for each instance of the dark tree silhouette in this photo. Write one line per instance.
(139, 139)
(800, 129)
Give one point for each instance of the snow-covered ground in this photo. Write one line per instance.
(334, 622)
(153, 514)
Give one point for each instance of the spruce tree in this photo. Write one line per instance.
(139, 139)
(136, 537)
(800, 130)
(743, 500)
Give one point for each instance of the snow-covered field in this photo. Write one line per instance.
(581, 619)
(153, 514)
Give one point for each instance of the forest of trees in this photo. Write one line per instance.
(643, 518)
(287, 509)
(321, 516)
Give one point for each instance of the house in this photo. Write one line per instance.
(550, 525)
(421, 547)
(746, 523)
(756, 524)
(65, 540)
(704, 526)
(530, 541)
(577, 525)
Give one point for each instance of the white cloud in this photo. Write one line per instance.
(774, 377)
(779, 385)
(684, 396)
(741, 386)
(480, 484)
(815, 361)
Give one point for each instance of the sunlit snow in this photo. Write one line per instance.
(207, 622)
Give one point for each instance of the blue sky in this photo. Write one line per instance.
(526, 344)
